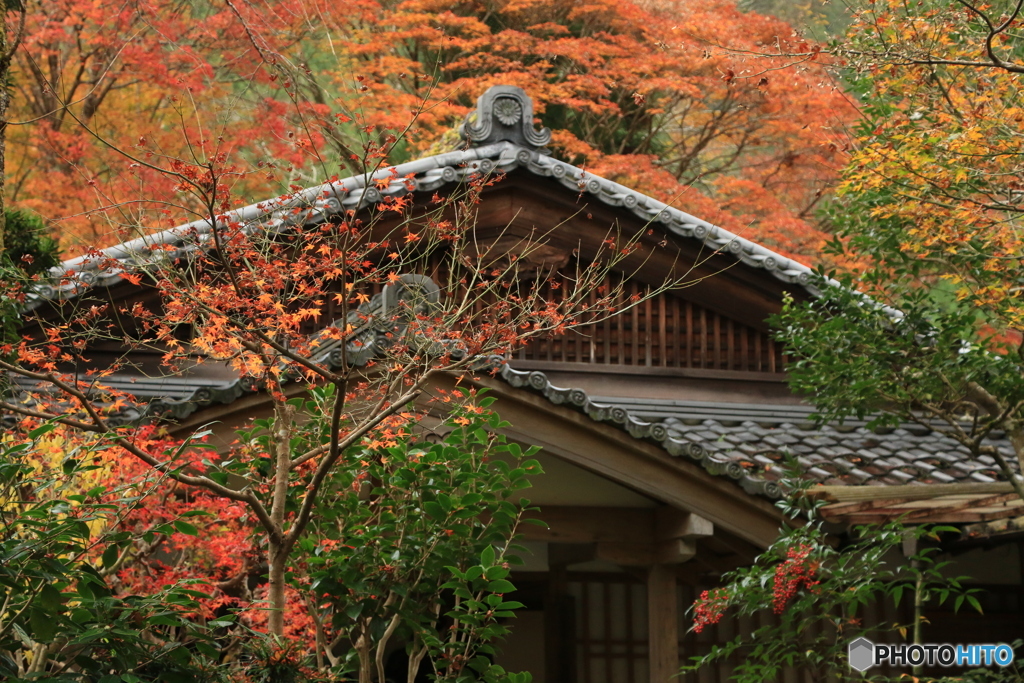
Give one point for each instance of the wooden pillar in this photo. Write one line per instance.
(560, 613)
(662, 623)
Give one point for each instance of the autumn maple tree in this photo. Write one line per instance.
(929, 206)
(345, 317)
(328, 312)
(631, 90)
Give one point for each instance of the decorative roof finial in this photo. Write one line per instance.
(504, 113)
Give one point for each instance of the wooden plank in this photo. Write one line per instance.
(635, 356)
(630, 663)
(648, 359)
(621, 340)
(703, 338)
(606, 326)
(973, 505)
(717, 340)
(905, 492)
(731, 361)
(690, 336)
(607, 630)
(695, 373)
(963, 517)
(662, 324)
(663, 624)
(579, 341)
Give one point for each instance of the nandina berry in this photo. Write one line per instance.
(795, 571)
(709, 608)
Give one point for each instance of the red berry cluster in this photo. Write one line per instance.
(792, 573)
(709, 608)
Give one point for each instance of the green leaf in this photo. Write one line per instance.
(186, 528)
(50, 598)
(48, 427)
(975, 604)
(218, 477)
(110, 556)
(434, 510)
(501, 586)
(44, 626)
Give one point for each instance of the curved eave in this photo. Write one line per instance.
(316, 204)
(653, 432)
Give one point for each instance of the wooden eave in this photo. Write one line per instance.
(919, 504)
(637, 464)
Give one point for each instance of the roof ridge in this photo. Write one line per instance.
(315, 204)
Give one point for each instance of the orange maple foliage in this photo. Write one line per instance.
(632, 93)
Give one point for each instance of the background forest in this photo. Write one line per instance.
(293, 92)
(890, 150)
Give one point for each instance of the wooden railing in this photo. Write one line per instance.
(665, 331)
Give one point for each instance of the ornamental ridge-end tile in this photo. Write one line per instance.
(504, 113)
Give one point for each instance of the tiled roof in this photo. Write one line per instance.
(498, 141)
(749, 443)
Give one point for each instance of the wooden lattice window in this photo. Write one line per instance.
(611, 629)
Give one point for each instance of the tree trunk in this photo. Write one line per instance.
(5, 100)
(278, 557)
(279, 547)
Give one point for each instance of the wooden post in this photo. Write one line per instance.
(663, 624)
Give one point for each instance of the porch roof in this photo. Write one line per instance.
(865, 474)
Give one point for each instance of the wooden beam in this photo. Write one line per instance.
(972, 505)
(670, 523)
(630, 537)
(643, 370)
(949, 508)
(675, 551)
(663, 624)
(985, 530)
(567, 524)
(840, 494)
(626, 554)
(564, 554)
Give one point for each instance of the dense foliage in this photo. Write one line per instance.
(631, 90)
(818, 593)
(110, 566)
(62, 542)
(929, 208)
